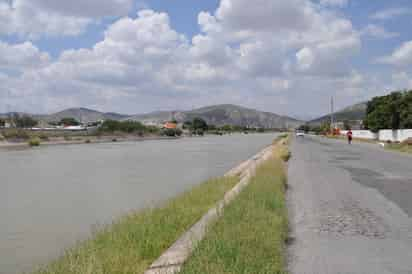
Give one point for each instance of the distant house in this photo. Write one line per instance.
(170, 125)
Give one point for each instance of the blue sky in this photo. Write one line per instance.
(284, 56)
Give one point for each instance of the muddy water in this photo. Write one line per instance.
(51, 197)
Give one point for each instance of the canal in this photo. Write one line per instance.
(52, 197)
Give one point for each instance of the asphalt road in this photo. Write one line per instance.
(350, 207)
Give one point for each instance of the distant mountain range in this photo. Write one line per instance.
(217, 115)
(355, 112)
(223, 114)
(84, 115)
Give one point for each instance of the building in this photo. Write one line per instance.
(170, 125)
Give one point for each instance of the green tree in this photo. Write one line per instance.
(24, 121)
(69, 121)
(346, 125)
(384, 112)
(2, 122)
(199, 124)
(406, 111)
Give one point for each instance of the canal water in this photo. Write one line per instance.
(52, 197)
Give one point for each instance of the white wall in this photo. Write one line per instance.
(395, 135)
(362, 134)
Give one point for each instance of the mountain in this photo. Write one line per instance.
(217, 115)
(221, 115)
(81, 114)
(355, 112)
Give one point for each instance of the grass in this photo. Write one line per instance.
(402, 147)
(250, 237)
(132, 243)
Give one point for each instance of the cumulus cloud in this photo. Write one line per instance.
(265, 54)
(33, 18)
(21, 57)
(401, 56)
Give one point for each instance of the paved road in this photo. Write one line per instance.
(351, 208)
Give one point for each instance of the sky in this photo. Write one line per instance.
(131, 56)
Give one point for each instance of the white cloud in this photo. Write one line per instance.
(267, 54)
(21, 57)
(401, 56)
(34, 18)
(334, 3)
(379, 32)
(390, 13)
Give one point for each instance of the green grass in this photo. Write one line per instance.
(132, 243)
(250, 236)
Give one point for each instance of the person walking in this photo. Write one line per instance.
(349, 135)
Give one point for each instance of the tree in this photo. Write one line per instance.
(2, 122)
(406, 111)
(69, 121)
(384, 112)
(199, 124)
(346, 125)
(24, 121)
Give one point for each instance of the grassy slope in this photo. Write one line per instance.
(250, 237)
(134, 242)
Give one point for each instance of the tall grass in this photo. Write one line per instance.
(250, 237)
(132, 243)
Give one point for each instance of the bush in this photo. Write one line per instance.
(2, 138)
(43, 137)
(87, 141)
(18, 134)
(34, 142)
(172, 132)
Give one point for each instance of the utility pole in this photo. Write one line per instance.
(332, 112)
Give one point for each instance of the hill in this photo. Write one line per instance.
(355, 112)
(217, 115)
(81, 114)
(221, 115)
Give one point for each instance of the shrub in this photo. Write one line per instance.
(172, 132)
(43, 137)
(87, 141)
(16, 134)
(34, 142)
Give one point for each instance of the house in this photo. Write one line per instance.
(170, 125)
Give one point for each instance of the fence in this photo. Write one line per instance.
(383, 135)
(362, 134)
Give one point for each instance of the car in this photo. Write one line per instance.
(300, 134)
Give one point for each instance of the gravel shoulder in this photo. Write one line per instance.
(350, 209)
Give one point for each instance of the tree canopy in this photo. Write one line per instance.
(69, 121)
(393, 111)
(24, 121)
